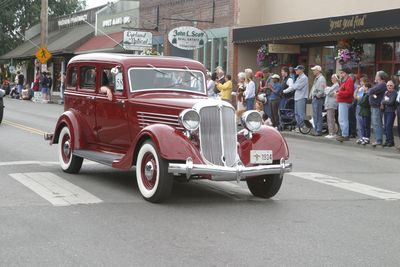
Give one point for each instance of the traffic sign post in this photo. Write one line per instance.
(43, 55)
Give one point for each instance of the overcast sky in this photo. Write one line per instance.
(94, 3)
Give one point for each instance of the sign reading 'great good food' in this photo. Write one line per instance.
(187, 38)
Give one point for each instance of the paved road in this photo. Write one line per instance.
(339, 207)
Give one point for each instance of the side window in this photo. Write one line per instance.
(71, 78)
(114, 82)
(87, 78)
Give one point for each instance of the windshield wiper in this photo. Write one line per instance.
(157, 69)
(191, 73)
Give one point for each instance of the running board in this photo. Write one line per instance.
(105, 158)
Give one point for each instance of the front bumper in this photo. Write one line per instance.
(222, 173)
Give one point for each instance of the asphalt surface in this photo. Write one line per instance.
(309, 222)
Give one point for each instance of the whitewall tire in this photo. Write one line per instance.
(68, 161)
(154, 181)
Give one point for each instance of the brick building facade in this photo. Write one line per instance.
(217, 23)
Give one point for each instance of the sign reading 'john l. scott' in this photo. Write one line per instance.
(187, 38)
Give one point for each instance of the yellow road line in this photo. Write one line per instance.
(23, 127)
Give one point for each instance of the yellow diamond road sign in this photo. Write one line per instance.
(43, 55)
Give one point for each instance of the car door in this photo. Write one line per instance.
(84, 98)
(111, 116)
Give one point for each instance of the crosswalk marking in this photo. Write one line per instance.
(54, 189)
(348, 185)
(36, 162)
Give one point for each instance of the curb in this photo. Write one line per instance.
(351, 143)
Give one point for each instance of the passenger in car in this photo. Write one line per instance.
(105, 89)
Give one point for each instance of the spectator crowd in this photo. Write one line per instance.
(349, 107)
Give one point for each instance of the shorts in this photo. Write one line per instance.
(44, 90)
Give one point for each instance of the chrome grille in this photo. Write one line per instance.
(218, 135)
(148, 118)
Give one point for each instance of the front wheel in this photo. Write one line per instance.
(265, 186)
(68, 161)
(153, 179)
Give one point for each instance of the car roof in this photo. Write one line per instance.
(132, 60)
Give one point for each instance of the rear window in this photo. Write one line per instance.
(166, 79)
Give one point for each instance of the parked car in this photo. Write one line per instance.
(152, 113)
(2, 94)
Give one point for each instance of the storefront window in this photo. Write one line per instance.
(386, 67)
(207, 59)
(397, 51)
(367, 64)
(389, 59)
(387, 51)
(215, 51)
(323, 56)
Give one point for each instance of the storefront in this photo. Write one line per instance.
(114, 25)
(365, 42)
(65, 34)
(215, 51)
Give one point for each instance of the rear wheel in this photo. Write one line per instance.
(265, 186)
(68, 161)
(153, 179)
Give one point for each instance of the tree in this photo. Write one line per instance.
(19, 15)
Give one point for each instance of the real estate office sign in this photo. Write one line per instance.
(187, 38)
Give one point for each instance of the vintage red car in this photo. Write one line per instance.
(152, 113)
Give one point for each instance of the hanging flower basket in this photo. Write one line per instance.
(265, 59)
(349, 51)
(262, 55)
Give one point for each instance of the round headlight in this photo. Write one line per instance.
(252, 120)
(190, 119)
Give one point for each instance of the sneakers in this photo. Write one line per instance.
(359, 141)
(330, 136)
(342, 138)
(374, 144)
(364, 141)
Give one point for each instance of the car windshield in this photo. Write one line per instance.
(166, 79)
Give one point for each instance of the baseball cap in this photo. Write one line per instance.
(259, 74)
(317, 67)
(299, 67)
(275, 76)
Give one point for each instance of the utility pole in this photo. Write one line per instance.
(44, 27)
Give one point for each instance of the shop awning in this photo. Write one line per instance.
(367, 25)
(63, 41)
(102, 43)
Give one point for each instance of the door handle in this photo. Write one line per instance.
(121, 103)
(91, 97)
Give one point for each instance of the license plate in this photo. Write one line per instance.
(260, 156)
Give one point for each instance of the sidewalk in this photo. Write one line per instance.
(351, 143)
